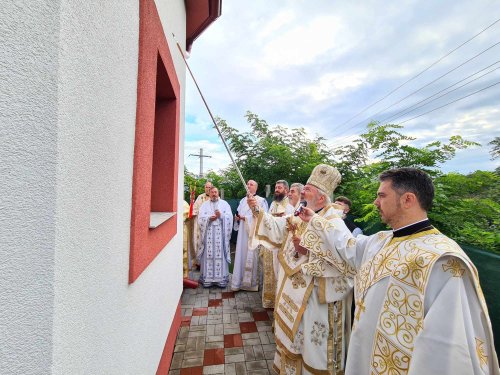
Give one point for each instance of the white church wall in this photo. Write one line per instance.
(68, 108)
(102, 324)
(28, 143)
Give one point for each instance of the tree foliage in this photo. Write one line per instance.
(466, 207)
(267, 154)
(495, 151)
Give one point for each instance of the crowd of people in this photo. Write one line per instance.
(401, 301)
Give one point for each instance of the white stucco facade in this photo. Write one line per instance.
(68, 112)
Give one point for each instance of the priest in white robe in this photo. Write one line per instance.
(216, 223)
(313, 301)
(246, 263)
(419, 304)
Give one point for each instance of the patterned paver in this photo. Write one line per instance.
(223, 332)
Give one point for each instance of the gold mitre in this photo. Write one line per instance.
(325, 177)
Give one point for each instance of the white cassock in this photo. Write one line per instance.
(214, 252)
(419, 306)
(313, 299)
(245, 271)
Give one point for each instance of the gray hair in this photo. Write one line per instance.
(327, 198)
(297, 185)
(283, 182)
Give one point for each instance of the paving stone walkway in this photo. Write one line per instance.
(223, 332)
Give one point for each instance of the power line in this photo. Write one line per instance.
(421, 88)
(428, 84)
(425, 113)
(419, 74)
(454, 101)
(408, 110)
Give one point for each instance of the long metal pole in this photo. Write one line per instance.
(213, 119)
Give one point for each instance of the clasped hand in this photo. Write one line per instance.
(296, 243)
(215, 216)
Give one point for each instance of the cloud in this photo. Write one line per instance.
(328, 67)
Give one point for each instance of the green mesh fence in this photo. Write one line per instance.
(488, 266)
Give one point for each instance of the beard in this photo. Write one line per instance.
(279, 197)
(214, 199)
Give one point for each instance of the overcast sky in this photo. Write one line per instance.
(320, 65)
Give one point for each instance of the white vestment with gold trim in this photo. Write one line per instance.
(196, 238)
(246, 263)
(312, 311)
(419, 306)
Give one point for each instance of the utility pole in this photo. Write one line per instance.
(201, 156)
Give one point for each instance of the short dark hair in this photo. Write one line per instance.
(345, 200)
(411, 180)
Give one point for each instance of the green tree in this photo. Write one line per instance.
(495, 151)
(198, 184)
(467, 208)
(267, 154)
(390, 149)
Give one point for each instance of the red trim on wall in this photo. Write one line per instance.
(168, 351)
(156, 150)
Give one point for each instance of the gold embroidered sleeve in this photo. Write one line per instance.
(269, 231)
(324, 237)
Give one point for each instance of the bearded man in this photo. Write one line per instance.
(216, 224)
(419, 305)
(312, 313)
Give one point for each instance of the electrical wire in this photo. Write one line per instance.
(410, 109)
(343, 139)
(419, 74)
(454, 101)
(427, 85)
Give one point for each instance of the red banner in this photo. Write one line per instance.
(192, 190)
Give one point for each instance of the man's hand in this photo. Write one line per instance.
(252, 203)
(212, 218)
(217, 213)
(306, 214)
(299, 249)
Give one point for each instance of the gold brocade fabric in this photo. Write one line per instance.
(185, 241)
(300, 294)
(408, 262)
(293, 363)
(269, 277)
(202, 198)
(279, 208)
(269, 282)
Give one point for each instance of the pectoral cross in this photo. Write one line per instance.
(360, 307)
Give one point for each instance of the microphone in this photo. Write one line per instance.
(302, 204)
